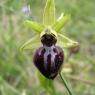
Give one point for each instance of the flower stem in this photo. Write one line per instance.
(65, 83)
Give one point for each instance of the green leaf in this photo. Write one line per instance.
(59, 24)
(49, 13)
(65, 42)
(34, 25)
(31, 44)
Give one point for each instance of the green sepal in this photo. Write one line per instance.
(49, 13)
(59, 24)
(31, 44)
(65, 42)
(34, 25)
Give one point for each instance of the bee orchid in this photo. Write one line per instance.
(48, 41)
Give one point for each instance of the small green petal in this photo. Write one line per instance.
(34, 25)
(59, 24)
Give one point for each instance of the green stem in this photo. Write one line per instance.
(65, 83)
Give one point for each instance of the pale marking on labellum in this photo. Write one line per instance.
(49, 50)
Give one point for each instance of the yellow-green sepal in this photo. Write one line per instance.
(65, 42)
(49, 13)
(31, 44)
(37, 27)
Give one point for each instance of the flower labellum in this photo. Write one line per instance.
(49, 58)
(48, 40)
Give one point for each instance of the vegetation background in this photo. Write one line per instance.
(18, 75)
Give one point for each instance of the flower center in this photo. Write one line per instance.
(48, 40)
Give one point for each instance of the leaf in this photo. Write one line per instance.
(34, 25)
(59, 24)
(65, 42)
(49, 13)
(31, 44)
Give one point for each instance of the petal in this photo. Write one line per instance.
(34, 25)
(59, 24)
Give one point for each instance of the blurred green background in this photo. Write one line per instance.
(18, 75)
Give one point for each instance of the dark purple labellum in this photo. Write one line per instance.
(49, 60)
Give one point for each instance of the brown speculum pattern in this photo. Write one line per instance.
(49, 58)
